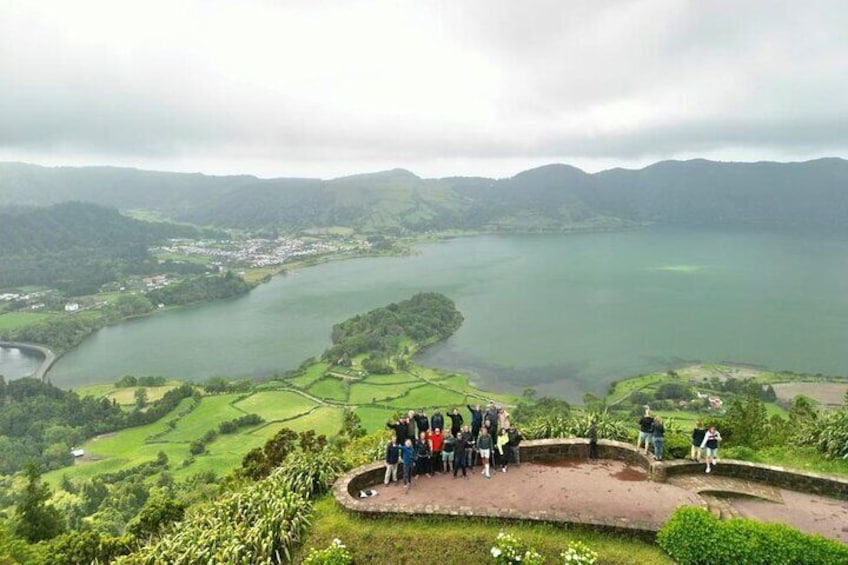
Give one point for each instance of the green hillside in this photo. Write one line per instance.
(550, 198)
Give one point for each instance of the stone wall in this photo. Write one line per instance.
(835, 487)
(559, 449)
(347, 488)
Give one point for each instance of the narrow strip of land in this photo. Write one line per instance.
(47, 353)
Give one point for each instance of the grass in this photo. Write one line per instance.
(467, 540)
(799, 458)
(15, 320)
(312, 374)
(329, 388)
(275, 404)
(126, 396)
(364, 393)
(374, 419)
(395, 378)
(325, 420)
(124, 449)
(429, 396)
(211, 411)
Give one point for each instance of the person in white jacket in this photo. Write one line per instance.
(710, 443)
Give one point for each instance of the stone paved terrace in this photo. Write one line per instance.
(613, 494)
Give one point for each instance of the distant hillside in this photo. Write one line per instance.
(550, 198)
(77, 246)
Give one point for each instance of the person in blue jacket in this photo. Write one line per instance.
(408, 456)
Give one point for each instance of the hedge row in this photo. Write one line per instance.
(692, 536)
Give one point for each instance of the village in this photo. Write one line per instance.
(215, 255)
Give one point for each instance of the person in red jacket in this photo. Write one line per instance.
(436, 439)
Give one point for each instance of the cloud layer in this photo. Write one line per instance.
(488, 87)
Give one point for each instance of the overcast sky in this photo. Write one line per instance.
(321, 88)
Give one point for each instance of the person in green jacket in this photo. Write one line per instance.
(485, 446)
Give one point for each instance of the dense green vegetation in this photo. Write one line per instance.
(551, 198)
(693, 536)
(63, 332)
(41, 423)
(380, 333)
(76, 247)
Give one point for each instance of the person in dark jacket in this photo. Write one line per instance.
(422, 422)
(698, 434)
(456, 422)
(464, 451)
(437, 421)
(476, 420)
(408, 455)
(593, 440)
(400, 429)
(514, 444)
(646, 428)
(423, 453)
(392, 459)
(486, 445)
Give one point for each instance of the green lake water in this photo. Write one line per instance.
(565, 313)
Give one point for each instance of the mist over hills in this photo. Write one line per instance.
(549, 198)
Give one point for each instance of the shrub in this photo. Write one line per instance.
(677, 445)
(692, 536)
(336, 554)
(258, 524)
(554, 426)
(578, 553)
(509, 550)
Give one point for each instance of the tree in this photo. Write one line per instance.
(746, 422)
(140, 398)
(37, 520)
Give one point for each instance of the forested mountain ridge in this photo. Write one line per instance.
(549, 198)
(78, 224)
(76, 246)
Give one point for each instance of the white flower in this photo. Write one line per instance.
(496, 552)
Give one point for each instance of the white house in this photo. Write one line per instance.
(72, 307)
(77, 452)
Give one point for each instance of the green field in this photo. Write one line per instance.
(211, 411)
(312, 374)
(329, 388)
(275, 402)
(366, 393)
(325, 420)
(429, 396)
(374, 419)
(275, 405)
(15, 320)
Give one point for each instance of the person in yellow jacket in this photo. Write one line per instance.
(503, 440)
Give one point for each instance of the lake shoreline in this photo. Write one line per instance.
(49, 358)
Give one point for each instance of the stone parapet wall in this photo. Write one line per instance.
(541, 450)
(347, 488)
(780, 477)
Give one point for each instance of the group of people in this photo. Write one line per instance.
(705, 442)
(424, 444)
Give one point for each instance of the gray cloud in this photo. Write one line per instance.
(430, 86)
